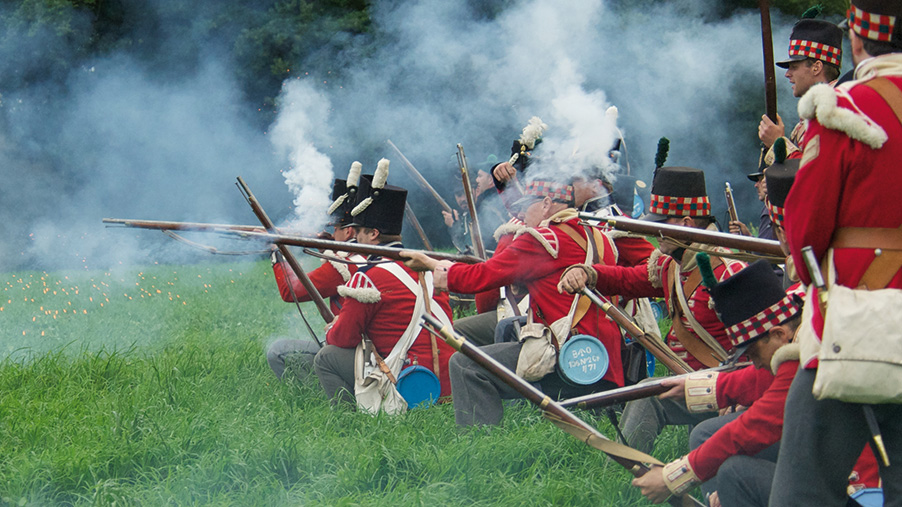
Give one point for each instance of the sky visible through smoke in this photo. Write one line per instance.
(120, 141)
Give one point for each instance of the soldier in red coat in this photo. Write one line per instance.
(383, 302)
(326, 279)
(678, 197)
(553, 239)
(848, 186)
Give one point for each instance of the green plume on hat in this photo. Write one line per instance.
(813, 12)
(704, 267)
(661, 155)
(780, 150)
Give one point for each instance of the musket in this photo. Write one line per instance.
(636, 462)
(420, 179)
(411, 218)
(181, 226)
(657, 348)
(731, 204)
(641, 390)
(770, 73)
(342, 246)
(690, 234)
(475, 232)
(321, 305)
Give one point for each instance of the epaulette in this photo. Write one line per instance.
(545, 236)
(513, 226)
(655, 268)
(341, 267)
(788, 352)
(360, 288)
(821, 102)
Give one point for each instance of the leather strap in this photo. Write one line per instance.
(867, 237)
(691, 342)
(582, 307)
(889, 92)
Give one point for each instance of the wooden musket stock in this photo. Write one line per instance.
(559, 415)
(321, 305)
(475, 232)
(637, 391)
(691, 235)
(770, 73)
(657, 348)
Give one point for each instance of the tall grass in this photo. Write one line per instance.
(162, 396)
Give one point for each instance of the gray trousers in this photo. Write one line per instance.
(822, 440)
(334, 366)
(478, 329)
(744, 480)
(296, 355)
(478, 394)
(644, 419)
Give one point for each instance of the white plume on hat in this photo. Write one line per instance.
(532, 132)
(379, 179)
(352, 181)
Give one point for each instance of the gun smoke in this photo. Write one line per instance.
(119, 140)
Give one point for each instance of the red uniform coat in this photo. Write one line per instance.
(647, 281)
(536, 259)
(845, 182)
(761, 425)
(380, 305)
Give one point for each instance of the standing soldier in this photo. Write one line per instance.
(844, 205)
(815, 56)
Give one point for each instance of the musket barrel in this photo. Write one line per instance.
(531, 393)
(691, 235)
(180, 226)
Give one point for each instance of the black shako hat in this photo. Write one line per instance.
(678, 192)
(379, 206)
(878, 20)
(779, 177)
(751, 302)
(814, 38)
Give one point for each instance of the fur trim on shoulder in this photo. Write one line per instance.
(821, 102)
(342, 269)
(788, 352)
(508, 228)
(361, 288)
(654, 269)
(546, 237)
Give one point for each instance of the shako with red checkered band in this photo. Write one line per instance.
(678, 192)
(540, 188)
(753, 301)
(817, 39)
(879, 20)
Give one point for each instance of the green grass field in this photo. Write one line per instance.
(148, 386)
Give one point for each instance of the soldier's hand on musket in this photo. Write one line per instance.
(677, 387)
(418, 261)
(768, 131)
(504, 172)
(450, 218)
(652, 485)
(737, 227)
(572, 281)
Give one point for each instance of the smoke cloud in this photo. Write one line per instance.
(121, 140)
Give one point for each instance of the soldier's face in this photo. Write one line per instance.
(803, 75)
(761, 187)
(343, 233)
